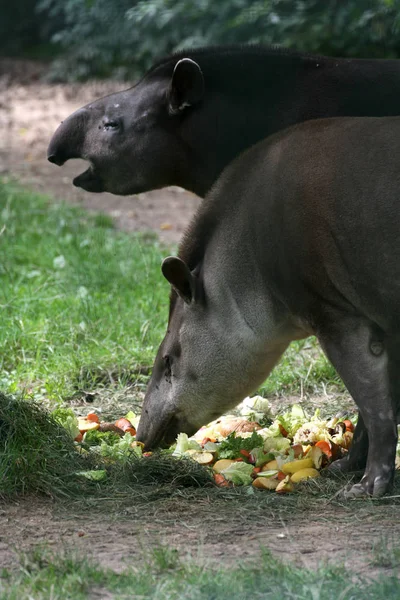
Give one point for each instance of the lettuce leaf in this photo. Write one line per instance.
(239, 473)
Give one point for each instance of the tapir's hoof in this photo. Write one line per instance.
(356, 491)
(363, 489)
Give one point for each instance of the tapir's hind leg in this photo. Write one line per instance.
(356, 459)
(362, 362)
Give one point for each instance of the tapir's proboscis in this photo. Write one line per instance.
(194, 112)
(306, 244)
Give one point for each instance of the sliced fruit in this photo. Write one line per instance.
(349, 425)
(285, 486)
(203, 458)
(297, 450)
(304, 474)
(297, 465)
(222, 464)
(272, 464)
(123, 424)
(93, 417)
(326, 447)
(220, 480)
(317, 456)
(265, 483)
(84, 425)
(271, 473)
(79, 437)
(137, 445)
(130, 430)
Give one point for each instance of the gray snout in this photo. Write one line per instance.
(68, 139)
(161, 433)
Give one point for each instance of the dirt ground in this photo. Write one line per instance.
(201, 529)
(343, 533)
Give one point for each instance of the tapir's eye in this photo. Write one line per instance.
(111, 124)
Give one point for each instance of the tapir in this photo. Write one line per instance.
(299, 236)
(194, 112)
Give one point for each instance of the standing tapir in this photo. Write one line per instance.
(307, 243)
(194, 112)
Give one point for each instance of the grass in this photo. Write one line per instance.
(165, 575)
(78, 299)
(84, 305)
(37, 456)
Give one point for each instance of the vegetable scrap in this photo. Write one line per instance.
(269, 453)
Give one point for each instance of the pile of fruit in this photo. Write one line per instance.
(251, 449)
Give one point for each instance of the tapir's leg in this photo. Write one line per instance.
(362, 362)
(357, 456)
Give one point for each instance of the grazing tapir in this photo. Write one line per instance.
(194, 112)
(306, 243)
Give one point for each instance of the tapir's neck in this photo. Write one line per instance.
(267, 90)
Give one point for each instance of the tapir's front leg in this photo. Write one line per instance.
(351, 344)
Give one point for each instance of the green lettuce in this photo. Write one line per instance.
(239, 473)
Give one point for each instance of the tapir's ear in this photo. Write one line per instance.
(180, 277)
(186, 87)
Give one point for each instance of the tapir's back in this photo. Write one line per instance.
(318, 205)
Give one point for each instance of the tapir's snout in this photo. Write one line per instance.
(68, 139)
(161, 433)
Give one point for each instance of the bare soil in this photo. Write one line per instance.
(213, 531)
(208, 531)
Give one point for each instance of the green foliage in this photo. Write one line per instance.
(124, 36)
(231, 447)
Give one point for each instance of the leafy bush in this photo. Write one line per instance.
(124, 37)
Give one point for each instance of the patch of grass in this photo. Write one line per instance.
(77, 298)
(166, 576)
(37, 456)
(386, 554)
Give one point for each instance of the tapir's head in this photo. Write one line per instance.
(194, 378)
(134, 140)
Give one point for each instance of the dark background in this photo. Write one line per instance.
(121, 38)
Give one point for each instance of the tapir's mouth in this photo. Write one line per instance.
(162, 435)
(89, 181)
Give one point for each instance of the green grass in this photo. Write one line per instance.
(84, 305)
(77, 298)
(165, 575)
(37, 456)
